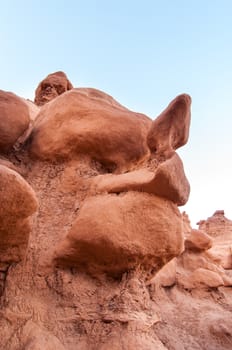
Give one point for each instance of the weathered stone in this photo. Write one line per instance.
(14, 119)
(167, 181)
(114, 234)
(170, 130)
(18, 203)
(198, 240)
(90, 122)
(52, 86)
(220, 229)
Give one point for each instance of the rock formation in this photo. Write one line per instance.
(220, 229)
(94, 252)
(52, 86)
(14, 119)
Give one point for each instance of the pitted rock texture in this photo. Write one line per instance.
(103, 265)
(18, 203)
(52, 86)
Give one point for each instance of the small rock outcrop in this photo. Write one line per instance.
(198, 241)
(170, 130)
(216, 225)
(220, 229)
(206, 260)
(52, 86)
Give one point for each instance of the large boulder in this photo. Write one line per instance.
(14, 119)
(52, 86)
(114, 234)
(216, 225)
(90, 122)
(18, 203)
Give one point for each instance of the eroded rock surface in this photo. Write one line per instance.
(204, 263)
(89, 122)
(130, 230)
(220, 229)
(14, 119)
(94, 253)
(52, 86)
(170, 130)
(18, 203)
(166, 180)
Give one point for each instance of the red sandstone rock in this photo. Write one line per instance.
(171, 129)
(167, 181)
(14, 119)
(220, 228)
(90, 122)
(166, 277)
(186, 224)
(34, 338)
(216, 225)
(205, 277)
(114, 234)
(187, 305)
(131, 341)
(170, 181)
(32, 108)
(193, 267)
(198, 266)
(198, 240)
(52, 86)
(18, 202)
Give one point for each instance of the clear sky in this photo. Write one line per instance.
(143, 53)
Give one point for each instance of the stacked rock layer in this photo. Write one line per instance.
(90, 221)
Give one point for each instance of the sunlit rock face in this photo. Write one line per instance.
(89, 123)
(91, 230)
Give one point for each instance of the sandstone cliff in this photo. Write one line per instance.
(94, 252)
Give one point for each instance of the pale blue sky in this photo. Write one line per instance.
(143, 53)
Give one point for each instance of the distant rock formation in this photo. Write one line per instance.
(220, 228)
(206, 260)
(216, 225)
(94, 252)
